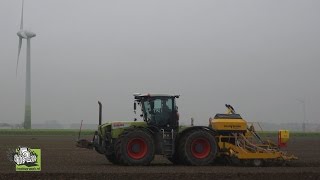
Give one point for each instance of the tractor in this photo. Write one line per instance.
(227, 137)
(137, 142)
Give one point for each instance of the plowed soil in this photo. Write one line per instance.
(62, 160)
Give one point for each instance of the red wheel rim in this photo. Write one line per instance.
(137, 148)
(200, 148)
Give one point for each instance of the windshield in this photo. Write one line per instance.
(158, 110)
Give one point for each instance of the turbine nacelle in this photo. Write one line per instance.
(26, 34)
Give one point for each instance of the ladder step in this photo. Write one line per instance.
(168, 143)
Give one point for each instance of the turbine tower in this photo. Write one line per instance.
(24, 34)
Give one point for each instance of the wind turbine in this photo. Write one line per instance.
(302, 101)
(24, 34)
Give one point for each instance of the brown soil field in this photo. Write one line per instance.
(62, 160)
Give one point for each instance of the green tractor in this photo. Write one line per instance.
(137, 142)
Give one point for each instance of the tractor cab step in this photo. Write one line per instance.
(168, 142)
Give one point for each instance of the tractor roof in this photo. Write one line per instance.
(141, 96)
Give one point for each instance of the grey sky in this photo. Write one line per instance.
(259, 56)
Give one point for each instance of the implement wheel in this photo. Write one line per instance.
(198, 148)
(257, 162)
(135, 147)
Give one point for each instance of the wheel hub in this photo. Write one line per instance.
(200, 148)
(137, 148)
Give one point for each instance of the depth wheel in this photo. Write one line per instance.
(198, 148)
(257, 162)
(135, 147)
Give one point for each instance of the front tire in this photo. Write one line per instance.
(135, 147)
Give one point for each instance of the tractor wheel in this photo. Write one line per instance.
(197, 148)
(135, 147)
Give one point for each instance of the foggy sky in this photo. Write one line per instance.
(259, 56)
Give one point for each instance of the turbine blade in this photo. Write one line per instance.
(21, 24)
(19, 49)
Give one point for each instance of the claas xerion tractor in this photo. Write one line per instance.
(227, 138)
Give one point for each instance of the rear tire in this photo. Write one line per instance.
(197, 148)
(135, 147)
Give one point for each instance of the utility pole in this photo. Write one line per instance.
(304, 114)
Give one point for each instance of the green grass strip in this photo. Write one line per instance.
(45, 132)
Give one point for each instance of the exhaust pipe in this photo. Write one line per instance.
(100, 112)
(83, 143)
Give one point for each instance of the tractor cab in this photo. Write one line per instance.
(158, 110)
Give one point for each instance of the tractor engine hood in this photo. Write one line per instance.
(117, 127)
